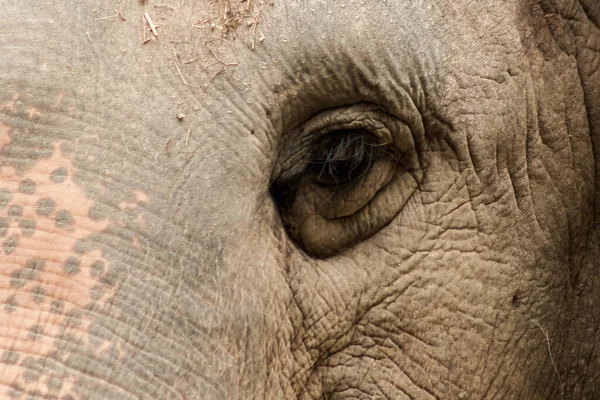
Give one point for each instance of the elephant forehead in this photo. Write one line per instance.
(269, 65)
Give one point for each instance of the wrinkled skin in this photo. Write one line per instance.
(149, 256)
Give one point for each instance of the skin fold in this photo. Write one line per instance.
(167, 231)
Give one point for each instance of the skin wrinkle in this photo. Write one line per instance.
(185, 210)
(413, 380)
(567, 50)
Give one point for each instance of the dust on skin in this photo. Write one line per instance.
(48, 279)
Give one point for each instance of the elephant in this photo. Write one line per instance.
(300, 199)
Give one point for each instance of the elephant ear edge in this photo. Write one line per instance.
(592, 10)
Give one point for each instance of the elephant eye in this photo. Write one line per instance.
(343, 175)
(343, 157)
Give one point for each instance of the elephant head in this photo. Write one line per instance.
(299, 199)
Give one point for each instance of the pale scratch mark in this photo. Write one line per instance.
(59, 98)
(124, 143)
(536, 323)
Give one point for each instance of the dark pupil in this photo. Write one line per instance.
(342, 157)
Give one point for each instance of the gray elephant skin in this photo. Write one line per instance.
(299, 199)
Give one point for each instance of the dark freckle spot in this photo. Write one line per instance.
(16, 391)
(27, 226)
(33, 369)
(82, 246)
(36, 332)
(11, 304)
(115, 274)
(68, 397)
(71, 267)
(112, 354)
(59, 175)
(18, 279)
(38, 293)
(45, 206)
(94, 307)
(36, 395)
(97, 291)
(27, 186)
(74, 318)
(57, 306)
(64, 219)
(35, 264)
(97, 212)
(67, 344)
(5, 198)
(10, 357)
(15, 210)
(10, 244)
(516, 300)
(97, 268)
(32, 269)
(53, 383)
(3, 226)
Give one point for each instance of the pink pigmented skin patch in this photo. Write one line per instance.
(127, 205)
(5, 138)
(10, 104)
(45, 282)
(141, 196)
(33, 112)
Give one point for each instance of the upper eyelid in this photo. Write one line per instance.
(297, 142)
(377, 128)
(308, 139)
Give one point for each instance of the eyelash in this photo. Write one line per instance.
(350, 153)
